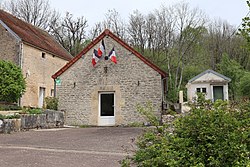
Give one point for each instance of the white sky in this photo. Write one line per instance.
(93, 10)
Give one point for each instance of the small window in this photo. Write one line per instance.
(43, 55)
(204, 90)
(198, 90)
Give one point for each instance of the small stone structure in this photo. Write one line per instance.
(49, 119)
(209, 82)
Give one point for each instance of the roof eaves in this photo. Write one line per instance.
(145, 60)
(10, 31)
(45, 50)
(209, 71)
(84, 51)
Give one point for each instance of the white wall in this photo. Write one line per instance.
(191, 90)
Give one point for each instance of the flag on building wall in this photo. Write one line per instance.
(112, 55)
(101, 49)
(95, 57)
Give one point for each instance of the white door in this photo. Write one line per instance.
(106, 109)
(41, 97)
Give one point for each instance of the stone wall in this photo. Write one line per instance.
(38, 71)
(131, 80)
(37, 66)
(9, 46)
(49, 119)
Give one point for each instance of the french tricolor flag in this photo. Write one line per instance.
(95, 57)
(112, 55)
(101, 49)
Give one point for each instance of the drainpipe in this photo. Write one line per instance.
(163, 96)
(20, 63)
(163, 93)
(21, 55)
(54, 87)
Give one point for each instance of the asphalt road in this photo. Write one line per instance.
(71, 147)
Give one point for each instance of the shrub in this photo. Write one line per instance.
(51, 103)
(15, 116)
(12, 83)
(208, 136)
(9, 107)
(245, 85)
(29, 110)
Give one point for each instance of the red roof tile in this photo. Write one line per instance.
(34, 36)
(117, 39)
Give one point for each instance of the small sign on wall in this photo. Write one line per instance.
(58, 81)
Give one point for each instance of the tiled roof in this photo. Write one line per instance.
(98, 39)
(34, 36)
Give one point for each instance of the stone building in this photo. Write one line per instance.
(209, 82)
(36, 52)
(107, 94)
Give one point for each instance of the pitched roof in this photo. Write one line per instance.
(34, 36)
(209, 71)
(117, 39)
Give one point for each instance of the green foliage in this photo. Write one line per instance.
(125, 162)
(208, 136)
(15, 116)
(31, 111)
(245, 26)
(51, 103)
(9, 107)
(149, 113)
(12, 83)
(245, 85)
(190, 72)
(135, 124)
(233, 70)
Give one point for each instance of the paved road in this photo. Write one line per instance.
(75, 147)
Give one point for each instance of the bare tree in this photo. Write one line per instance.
(70, 33)
(36, 12)
(137, 30)
(113, 22)
(95, 31)
(166, 36)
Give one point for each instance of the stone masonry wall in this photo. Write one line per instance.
(40, 71)
(9, 46)
(49, 119)
(132, 81)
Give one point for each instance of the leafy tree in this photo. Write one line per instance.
(208, 136)
(233, 70)
(12, 83)
(245, 27)
(245, 85)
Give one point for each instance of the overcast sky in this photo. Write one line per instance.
(93, 10)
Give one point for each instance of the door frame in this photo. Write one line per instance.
(223, 91)
(102, 119)
(41, 96)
